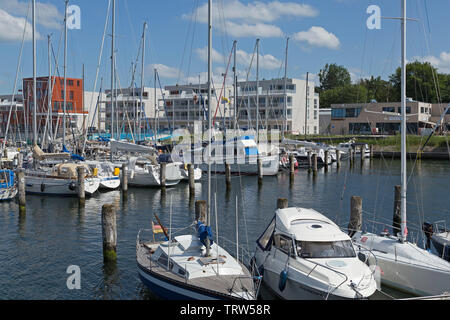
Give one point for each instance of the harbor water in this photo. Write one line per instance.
(37, 247)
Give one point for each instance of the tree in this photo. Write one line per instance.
(333, 76)
(352, 93)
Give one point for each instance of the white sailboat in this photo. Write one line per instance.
(107, 173)
(303, 255)
(404, 265)
(192, 266)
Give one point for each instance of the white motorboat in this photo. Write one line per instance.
(61, 180)
(145, 173)
(303, 255)
(356, 147)
(185, 172)
(108, 174)
(243, 159)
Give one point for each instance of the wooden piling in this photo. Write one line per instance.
(352, 157)
(124, 182)
(201, 211)
(20, 160)
(162, 175)
(355, 222)
(309, 162)
(327, 154)
(314, 163)
(282, 203)
(338, 158)
(397, 218)
(21, 190)
(292, 165)
(80, 185)
(109, 232)
(228, 175)
(191, 175)
(363, 149)
(260, 171)
(371, 152)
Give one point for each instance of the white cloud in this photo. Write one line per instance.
(11, 28)
(47, 14)
(165, 71)
(318, 37)
(442, 63)
(253, 19)
(202, 53)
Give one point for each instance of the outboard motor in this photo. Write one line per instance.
(428, 229)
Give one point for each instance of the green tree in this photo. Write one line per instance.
(333, 76)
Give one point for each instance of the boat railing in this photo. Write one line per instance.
(441, 226)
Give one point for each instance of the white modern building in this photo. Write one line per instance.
(182, 105)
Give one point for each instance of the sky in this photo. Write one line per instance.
(319, 31)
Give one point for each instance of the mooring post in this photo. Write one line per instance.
(292, 165)
(352, 156)
(397, 219)
(355, 222)
(228, 175)
(162, 175)
(309, 161)
(109, 232)
(80, 185)
(363, 153)
(327, 154)
(314, 160)
(371, 152)
(20, 160)
(124, 182)
(21, 190)
(260, 171)
(282, 203)
(191, 175)
(338, 158)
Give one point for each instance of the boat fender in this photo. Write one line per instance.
(42, 187)
(72, 186)
(132, 175)
(283, 280)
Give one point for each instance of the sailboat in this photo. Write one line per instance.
(193, 266)
(404, 265)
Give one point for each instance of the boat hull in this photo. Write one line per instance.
(270, 167)
(8, 193)
(59, 187)
(110, 183)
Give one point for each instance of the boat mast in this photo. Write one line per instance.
(257, 92)
(142, 80)
(403, 129)
(208, 218)
(34, 75)
(65, 74)
(113, 65)
(235, 88)
(306, 105)
(285, 89)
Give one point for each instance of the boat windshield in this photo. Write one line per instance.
(334, 249)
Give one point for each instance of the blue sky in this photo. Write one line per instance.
(321, 31)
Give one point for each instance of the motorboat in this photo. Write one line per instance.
(146, 172)
(302, 255)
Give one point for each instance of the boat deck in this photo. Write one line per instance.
(227, 286)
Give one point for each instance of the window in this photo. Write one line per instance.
(162, 260)
(338, 113)
(78, 83)
(71, 95)
(315, 114)
(284, 243)
(70, 82)
(69, 106)
(336, 249)
(389, 109)
(62, 94)
(408, 110)
(352, 112)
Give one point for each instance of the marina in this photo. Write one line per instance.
(213, 193)
(38, 247)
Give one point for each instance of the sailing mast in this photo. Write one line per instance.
(403, 146)
(285, 89)
(257, 92)
(306, 105)
(208, 218)
(34, 75)
(142, 80)
(113, 66)
(65, 74)
(235, 88)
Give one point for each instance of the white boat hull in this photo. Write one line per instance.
(42, 185)
(150, 176)
(270, 166)
(407, 267)
(109, 183)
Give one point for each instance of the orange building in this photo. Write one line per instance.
(74, 100)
